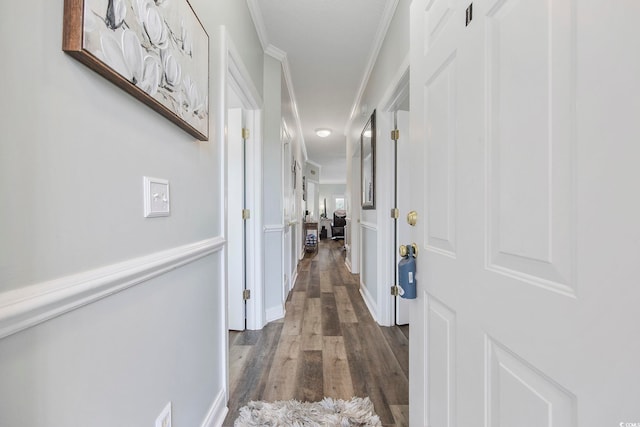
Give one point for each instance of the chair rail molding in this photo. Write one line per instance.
(31, 305)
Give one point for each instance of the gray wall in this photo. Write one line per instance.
(393, 52)
(73, 153)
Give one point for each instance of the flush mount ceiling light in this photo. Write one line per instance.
(323, 132)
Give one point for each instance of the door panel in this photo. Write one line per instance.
(530, 141)
(439, 114)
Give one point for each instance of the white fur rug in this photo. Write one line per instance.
(329, 412)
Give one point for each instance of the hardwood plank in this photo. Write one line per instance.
(360, 308)
(311, 383)
(284, 367)
(365, 381)
(399, 345)
(355, 357)
(343, 304)
(385, 367)
(253, 379)
(302, 281)
(244, 337)
(330, 320)
(335, 277)
(313, 288)
(312, 325)
(238, 357)
(326, 284)
(294, 315)
(337, 377)
(400, 414)
(346, 277)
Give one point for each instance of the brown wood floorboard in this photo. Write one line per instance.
(327, 345)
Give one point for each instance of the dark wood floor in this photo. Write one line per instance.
(327, 346)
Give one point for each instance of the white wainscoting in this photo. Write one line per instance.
(274, 310)
(28, 306)
(368, 267)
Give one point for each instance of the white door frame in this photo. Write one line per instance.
(397, 91)
(233, 73)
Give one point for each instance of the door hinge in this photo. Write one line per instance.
(395, 291)
(246, 294)
(246, 214)
(395, 134)
(395, 213)
(245, 133)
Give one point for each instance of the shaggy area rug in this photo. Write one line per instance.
(328, 412)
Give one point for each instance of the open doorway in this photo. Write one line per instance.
(398, 109)
(241, 148)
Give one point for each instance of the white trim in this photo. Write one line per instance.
(258, 22)
(274, 228)
(31, 305)
(239, 74)
(332, 181)
(397, 91)
(294, 107)
(378, 40)
(347, 262)
(312, 163)
(398, 88)
(276, 53)
(217, 411)
(281, 56)
(275, 313)
(369, 225)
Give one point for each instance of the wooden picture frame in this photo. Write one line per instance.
(368, 164)
(156, 50)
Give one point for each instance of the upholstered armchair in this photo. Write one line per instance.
(339, 222)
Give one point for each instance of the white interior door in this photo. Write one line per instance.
(235, 224)
(524, 139)
(403, 306)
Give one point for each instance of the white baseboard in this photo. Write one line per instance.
(274, 313)
(28, 306)
(347, 262)
(217, 412)
(369, 302)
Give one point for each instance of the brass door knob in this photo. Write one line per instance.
(404, 250)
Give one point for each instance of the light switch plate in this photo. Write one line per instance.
(156, 197)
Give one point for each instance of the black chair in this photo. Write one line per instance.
(339, 222)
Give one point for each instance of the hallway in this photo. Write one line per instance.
(328, 345)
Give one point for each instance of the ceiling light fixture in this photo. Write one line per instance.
(323, 132)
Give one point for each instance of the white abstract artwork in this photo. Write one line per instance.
(159, 46)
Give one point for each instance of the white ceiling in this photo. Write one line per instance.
(330, 48)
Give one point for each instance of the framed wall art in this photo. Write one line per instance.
(156, 50)
(368, 164)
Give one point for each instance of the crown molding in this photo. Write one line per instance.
(276, 53)
(381, 33)
(258, 22)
